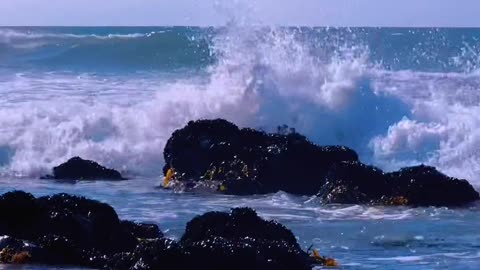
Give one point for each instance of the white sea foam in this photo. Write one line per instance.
(263, 77)
(49, 118)
(443, 127)
(28, 39)
(8, 34)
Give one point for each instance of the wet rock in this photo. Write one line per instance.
(14, 251)
(141, 230)
(154, 254)
(86, 222)
(80, 169)
(242, 240)
(240, 223)
(59, 250)
(11, 256)
(354, 182)
(70, 227)
(63, 229)
(216, 240)
(248, 161)
(19, 211)
(426, 186)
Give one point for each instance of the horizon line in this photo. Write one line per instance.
(258, 25)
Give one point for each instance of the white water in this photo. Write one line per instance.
(263, 78)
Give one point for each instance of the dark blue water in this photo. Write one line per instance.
(398, 96)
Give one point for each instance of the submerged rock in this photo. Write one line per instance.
(69, 230)
(237, 161)
(77, 168)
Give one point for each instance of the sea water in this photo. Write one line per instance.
(398, 96)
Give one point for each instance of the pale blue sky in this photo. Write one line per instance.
(215, 12)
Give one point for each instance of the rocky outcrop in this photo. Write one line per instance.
(215, 240)
(247, 161)
(68, 227)
(354, 182)
(61, 229)
(68, 230)
(216, 153)
(425, 186)
(236, 239)
(77, 168)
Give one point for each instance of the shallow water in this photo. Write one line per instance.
(360, 237)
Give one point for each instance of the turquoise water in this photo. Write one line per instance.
(398, 96)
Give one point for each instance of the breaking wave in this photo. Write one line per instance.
(335, 90)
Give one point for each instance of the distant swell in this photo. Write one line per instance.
(18, 35)
(150, 50)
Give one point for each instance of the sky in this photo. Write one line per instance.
(453, 13)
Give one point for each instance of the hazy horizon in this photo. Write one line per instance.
(322, 13)
(219, 26)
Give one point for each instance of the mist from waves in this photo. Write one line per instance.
(336, 91)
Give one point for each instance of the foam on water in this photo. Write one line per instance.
(8, 35)
(40, 130)
(443, 128)
(261, 77)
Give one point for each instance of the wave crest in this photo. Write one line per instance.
(255, 76)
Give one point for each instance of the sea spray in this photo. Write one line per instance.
(116, 95)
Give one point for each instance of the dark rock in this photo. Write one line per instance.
(260, 162)
(141, 230)
(216, 240)
(58, 250)
(79, 169)
(14, 251)
(155, 254)
(240, 223)
(242, 240)
(426, 186)
(68, 226)
(239, 240)
(69, 230)
(246, 161)
(19, 211)
(354, 182)
(87, 223)
(9, 242)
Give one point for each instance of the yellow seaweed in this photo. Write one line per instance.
(21, 258)
(329, 262)
(168, 177)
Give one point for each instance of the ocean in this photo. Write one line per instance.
(398, 96)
